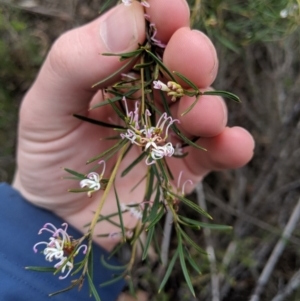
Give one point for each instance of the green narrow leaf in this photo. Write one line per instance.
(223, 94)
(191, 106)
(183, 266)
(192, 262)
(185, 223)
(160, 63)
(186, 80)
(191, 242)
(78, 190)
(157, 218)
(120, 214)
(154, 208)
(101, 82)
(162, 169)
(157, 245)
(150, 183)
(40, 269)
(98, 122)
(92, 287)
(171, 177)
(138, 183)
(205, 225)
(102, 217)
(112, 267)
(126, 55)
(115, 279)
(133, 164)
(188, 141)
(75, 173)
(148, 242)
(109, 155)
(74, 284)
(108, 220)
(119, 113)
(114, 148)
(143, 65)
(106, 102)
(78, 266)
(169, 270)
(131, 286)
(191, 204)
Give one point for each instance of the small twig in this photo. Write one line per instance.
(247, 218)
(165, 245)
(229, 254)
(268, 269)
(292, 285)
(38, 9)
(209, 248)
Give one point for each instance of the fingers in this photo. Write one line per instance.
(208, 117)
(75, 62)
(231, 149)
(177, 16)
(192, 54)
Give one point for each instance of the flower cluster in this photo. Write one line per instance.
(151, 138)
(60, 247)
(172, 88)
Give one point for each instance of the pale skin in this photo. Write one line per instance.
(51, 138)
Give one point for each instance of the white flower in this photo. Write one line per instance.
(93, 180)
(159, 152)
(59, 247)
(157, 84)
(64, 261)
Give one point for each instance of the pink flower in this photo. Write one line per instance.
(59, 247)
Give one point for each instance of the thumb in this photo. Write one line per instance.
(75, 61)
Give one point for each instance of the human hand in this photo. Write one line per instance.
(51, 138)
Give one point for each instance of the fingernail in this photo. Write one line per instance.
(118, 30)
(214, 55)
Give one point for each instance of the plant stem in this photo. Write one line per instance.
(106, 191)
